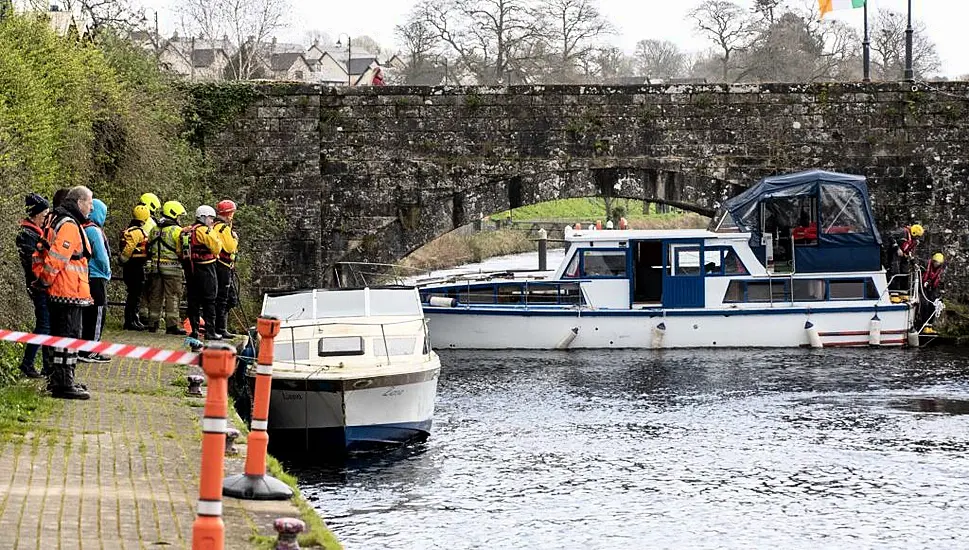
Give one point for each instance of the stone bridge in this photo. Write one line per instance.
(370, 174)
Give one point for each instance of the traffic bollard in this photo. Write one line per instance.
(254, 484)
(208, 531)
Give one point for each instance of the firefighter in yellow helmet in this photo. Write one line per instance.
(900, 250)
(165, 270)
(153, 203)
(133, 256)
(225, 265)
(198, 247)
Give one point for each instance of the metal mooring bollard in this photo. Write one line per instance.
(288, 529)
(195, 385)
(230, 441)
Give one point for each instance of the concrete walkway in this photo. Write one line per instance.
(120, 470)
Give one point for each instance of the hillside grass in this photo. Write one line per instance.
(584, 209)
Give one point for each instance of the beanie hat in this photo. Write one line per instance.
(35, 204)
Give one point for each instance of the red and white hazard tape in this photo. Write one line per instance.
(104, 348)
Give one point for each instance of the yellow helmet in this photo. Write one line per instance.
(173, 209)
(938, 257)
(141, 213)
(151, 201)
(917, 230)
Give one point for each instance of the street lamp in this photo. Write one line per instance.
(909, 72)
(340, 45)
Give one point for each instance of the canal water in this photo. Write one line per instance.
(672, 449)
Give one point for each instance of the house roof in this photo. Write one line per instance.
(359, 65)
(285, 61)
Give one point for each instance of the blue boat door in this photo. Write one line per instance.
(683, 269)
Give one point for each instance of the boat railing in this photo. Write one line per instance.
(509, 293)
(287, 335)
(362, 274)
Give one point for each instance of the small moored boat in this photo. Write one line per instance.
(353, 370)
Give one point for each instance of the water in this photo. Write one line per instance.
(676, 449)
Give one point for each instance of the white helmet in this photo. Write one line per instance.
(203, 211)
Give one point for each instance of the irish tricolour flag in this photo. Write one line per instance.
(831, 5)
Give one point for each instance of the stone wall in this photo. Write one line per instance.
(373, 173)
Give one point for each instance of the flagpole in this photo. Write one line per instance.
(866, 49)
(909, 72)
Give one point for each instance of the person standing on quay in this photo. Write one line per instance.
(166, 270)
(198, 247)
(100, 273)
(225, 266)
(36, 209)
(134, 254)
(62, 271)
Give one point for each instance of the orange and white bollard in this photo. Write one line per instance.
(208, 531)
(254, 484)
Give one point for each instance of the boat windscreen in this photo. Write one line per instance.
(343, 303)
(393, 301)
(289, 307)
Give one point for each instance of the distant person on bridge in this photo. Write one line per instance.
(31, 231)
(225, 266)
(61, 267)
(199, 246)
(165, 270)
(378, 78)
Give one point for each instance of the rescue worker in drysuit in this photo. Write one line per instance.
(225, 266)
(931, 289)
(198, 247)
(899, 252)
(165, 270)
(133, 256)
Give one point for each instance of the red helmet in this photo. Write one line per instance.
(225, 207)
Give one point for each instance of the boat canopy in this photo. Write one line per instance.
(309, 305)
(826, 215)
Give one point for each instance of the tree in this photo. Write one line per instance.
(246, 25)
(116, 14)
(572, 30)
(726, 25)
(367, 44)
(419, 48)
(888, 47)
(659, 59)
(486, 38)
(609, 63)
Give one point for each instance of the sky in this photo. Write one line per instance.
(635, 20)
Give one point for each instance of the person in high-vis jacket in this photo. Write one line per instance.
(166, 270)
(225, 265)
(31, 231)
(133, 257)
(62, 270)
(199, 246)
(153, 203)
(99, 270)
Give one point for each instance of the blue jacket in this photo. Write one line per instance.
(99, 266)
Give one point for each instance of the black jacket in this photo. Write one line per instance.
(27, 238)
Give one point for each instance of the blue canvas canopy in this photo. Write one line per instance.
(830, 211)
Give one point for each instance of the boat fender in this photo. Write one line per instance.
(659, 332)
(442, 301)
(875, 331)
(913, 339)
(812, 333)
(565, 342)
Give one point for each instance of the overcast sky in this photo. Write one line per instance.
(945, 20)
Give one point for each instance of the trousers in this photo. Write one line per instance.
(166, 293)
(93, 315)
(65, 321)
(202, 293)
(134, 280)
(41, 326)
(222, 302)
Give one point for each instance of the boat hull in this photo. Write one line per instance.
(336, 416)
(460, 328)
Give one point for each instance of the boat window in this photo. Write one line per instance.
(732, 265)
(291, 351)
(713, 261)
(397, 346)
(340, 304)
(767, 291)
(509, 294)
(842, 210)
(390, 301)
(476, 295)
(604, 263)
(572, 271)
(539, 293)
(289, 307)
(735, 292)
(687, 260)
(808, 290)
(340, 345)
(852, 290)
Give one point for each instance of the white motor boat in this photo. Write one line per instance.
(353, 370)
(793, 261)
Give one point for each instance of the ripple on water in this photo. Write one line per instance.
(699, 449)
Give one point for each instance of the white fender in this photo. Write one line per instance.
(913, 339)
(566, 341)
(659, 333)
(442, 301)
(875, 331)
(813, 337)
